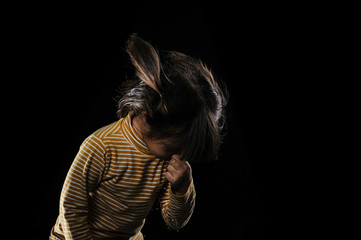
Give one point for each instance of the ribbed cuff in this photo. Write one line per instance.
(183, 198)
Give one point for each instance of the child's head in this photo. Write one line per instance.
(182, 102)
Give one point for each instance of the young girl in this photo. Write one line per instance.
(170, 114)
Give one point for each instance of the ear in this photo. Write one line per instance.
(145, 60)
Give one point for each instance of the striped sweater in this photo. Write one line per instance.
(112, 185)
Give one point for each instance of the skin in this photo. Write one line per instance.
(179, 171)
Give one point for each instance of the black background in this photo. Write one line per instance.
(69, 62)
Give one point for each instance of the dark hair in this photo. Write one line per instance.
(180, 96)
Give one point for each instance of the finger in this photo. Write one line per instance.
(177, 157)
(175, 163)
(171, 169)
(169, 177)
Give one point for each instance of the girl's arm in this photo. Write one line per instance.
(82, 179)
(177, 210)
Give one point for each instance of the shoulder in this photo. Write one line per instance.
(101, 138)
(108, 130)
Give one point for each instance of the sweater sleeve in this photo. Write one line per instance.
(82, 179)
(177, 210)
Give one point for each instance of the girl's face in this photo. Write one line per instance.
(162, 148)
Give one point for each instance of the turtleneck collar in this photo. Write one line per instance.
(132, 137)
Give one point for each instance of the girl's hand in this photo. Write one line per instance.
(179, 174)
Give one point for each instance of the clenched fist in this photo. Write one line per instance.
(179, 174)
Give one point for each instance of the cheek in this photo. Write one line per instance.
(159, 151)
